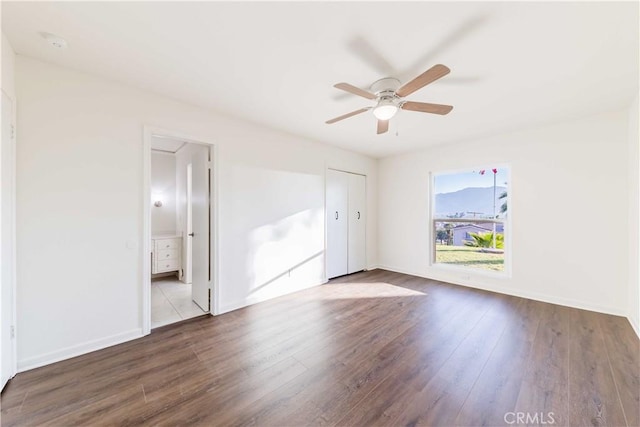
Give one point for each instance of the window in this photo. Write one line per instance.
(469, 218)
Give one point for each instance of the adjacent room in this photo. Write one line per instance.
(180, 267)
(337, 213)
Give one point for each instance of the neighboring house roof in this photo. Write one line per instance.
(477, 227)
(483, 227)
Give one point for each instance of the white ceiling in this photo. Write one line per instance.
(169, 145)
(513, 65)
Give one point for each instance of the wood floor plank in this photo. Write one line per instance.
(440, 401)
(229, 400)
(544, 393)
(623, 350)
(364, 373)
(496, 389)
(115, 405)
(415, 357)
(593, 396)
(351, 335)
(84, 388)
(372, 348)
(291, 401)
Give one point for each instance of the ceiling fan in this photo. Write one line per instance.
(389, 95)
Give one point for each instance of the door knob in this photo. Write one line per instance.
(190, 234)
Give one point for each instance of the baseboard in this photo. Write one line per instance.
(236, 305)
(400, 270)
(77, 350)
(551, 299)
(232, 306)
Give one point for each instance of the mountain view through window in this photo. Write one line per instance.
(469, 218)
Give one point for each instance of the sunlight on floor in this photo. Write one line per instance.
(371, 290)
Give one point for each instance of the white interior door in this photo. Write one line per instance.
(337, 195)
(7, 360)
(188, 247)
(200, 214)
(357, 260)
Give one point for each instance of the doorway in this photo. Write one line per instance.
(179, 229)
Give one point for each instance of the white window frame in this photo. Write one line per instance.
(508, 230)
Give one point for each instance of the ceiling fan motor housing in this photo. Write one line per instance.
(383, 86)
(385, 90)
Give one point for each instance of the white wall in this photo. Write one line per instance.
(634, 217)
(163, 186)
(568, 184)
(80, 213)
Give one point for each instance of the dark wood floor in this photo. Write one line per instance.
(375, 348)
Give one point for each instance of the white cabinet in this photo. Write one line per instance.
(346, 223)
(166, 254)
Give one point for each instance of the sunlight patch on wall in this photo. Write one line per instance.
(287, 253)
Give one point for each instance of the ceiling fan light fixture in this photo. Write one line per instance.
(385, 110)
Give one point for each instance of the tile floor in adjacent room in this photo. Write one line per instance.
(171, 302)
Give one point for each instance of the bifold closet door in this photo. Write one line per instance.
(356, 259)
(337, 194)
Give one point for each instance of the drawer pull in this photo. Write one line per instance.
(168, 255)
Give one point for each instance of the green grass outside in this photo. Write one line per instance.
(469, 257)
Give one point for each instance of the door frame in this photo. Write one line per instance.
(13, 251)
(187, 275)
(145, 252)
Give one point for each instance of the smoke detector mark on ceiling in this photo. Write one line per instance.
(54, 40)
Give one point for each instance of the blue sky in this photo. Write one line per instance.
(450, 182)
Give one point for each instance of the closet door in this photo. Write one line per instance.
(357, 260)
(337, 194)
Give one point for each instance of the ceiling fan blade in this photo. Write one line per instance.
(346, 116)
(424, 107)
(383, 126)
(429, 76)
(354, 90)
(360, 47)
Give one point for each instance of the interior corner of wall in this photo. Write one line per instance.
(635, 323)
